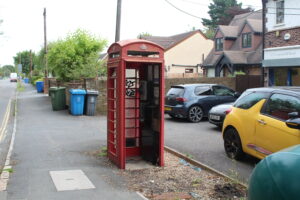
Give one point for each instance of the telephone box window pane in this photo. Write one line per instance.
(130, 73)
(114, 55)
(143, 54)
(150, 72)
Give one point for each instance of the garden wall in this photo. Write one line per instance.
(100, 85)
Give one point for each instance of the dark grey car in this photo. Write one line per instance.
(193, 101)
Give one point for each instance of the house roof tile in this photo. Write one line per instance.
(236, 54)
(169, 41)
(229, 31)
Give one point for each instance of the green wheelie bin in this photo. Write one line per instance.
(58, 97)
(277, 176)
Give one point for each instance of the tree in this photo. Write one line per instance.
(76, 56)
(24, 56)
(6, 70)
(231, 12)
(209, 33)
(221, 12)
(38, 61)
(143, 34)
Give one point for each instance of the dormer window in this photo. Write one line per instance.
(280, 12)
(246, 40)
(219, 44)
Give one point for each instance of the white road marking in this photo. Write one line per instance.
(70, 180)
(4, 177)
(5, 121)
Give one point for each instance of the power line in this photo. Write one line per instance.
(182, 10)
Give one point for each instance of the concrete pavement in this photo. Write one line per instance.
(50, 141)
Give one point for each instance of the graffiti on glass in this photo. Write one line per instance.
(130, 90)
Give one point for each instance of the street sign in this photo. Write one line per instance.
(19, 69)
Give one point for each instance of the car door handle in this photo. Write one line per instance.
(261, 121)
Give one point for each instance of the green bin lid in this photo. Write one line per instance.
(57, 88)
(277, 176)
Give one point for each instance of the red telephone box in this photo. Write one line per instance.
(135, 101)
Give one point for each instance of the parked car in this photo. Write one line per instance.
(217, 114)
(193, 101)
(13, 77)
(262, 121)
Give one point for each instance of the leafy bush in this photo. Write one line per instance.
(35, 79)
(76, 56)
(237, 73)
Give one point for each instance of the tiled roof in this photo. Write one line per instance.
(240, 20)
(229, 31)
(255, 24)
(170, 41)
(237, 55)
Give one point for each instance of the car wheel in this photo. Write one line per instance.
(220, 126)
(233, 145)
(195, 114)
(172, 116)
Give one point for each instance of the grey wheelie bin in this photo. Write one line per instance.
(91, 102)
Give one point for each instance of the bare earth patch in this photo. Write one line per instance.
(180, 180)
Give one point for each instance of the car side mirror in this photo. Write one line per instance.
(293, 123)
(237, 94)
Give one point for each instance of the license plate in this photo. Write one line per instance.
(214, 117)
(168, 109)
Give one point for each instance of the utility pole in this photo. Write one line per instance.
(30, 63)
(19, 65)
(118, 22)
(45, 44)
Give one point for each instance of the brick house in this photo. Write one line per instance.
(238, 47)
(184, 53)
(281, 61)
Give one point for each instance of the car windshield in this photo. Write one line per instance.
(248, 100)
(176, 91)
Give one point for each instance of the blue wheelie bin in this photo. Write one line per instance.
(39, 86)
(77, 97)
(26, 80)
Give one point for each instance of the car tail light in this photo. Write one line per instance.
(228, 111)
(181, 99)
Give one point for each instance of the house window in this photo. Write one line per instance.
(246, 40)
(188, 70)
(219, 44)
(279, 12)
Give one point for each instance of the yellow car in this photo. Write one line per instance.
(262, 121)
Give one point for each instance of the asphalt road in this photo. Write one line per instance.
(203, 141)
(7, 90)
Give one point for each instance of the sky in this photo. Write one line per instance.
(23, 27)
